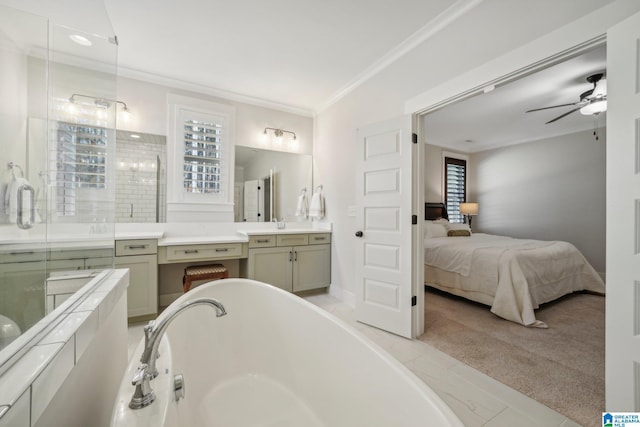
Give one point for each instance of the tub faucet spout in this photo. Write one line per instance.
(153, 332)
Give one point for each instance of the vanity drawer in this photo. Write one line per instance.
(21, 255)
(136, 247)
(292, 239)
(203, 252)
(262, 241)
(319, 238)
(80, 254)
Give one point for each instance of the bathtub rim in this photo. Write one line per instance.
(410, 378)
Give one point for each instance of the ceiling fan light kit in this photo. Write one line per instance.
(592, 102)
(594, 107)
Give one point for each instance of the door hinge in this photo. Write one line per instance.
(414, 138)
(414, 301)
(414, 219)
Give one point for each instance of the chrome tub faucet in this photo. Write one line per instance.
(153, 332)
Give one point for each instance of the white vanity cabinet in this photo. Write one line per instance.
(293, 262)
(140, 257)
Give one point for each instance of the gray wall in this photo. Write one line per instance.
(552, 189)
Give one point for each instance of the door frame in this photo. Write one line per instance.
(440, 97)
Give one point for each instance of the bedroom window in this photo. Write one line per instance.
(455, 187)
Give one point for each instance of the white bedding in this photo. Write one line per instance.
(513, 276)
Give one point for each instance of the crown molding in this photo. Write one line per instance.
(427, 31)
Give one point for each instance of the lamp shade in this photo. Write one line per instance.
(469, 208)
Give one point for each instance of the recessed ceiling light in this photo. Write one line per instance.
(81, 40)
(135, 136)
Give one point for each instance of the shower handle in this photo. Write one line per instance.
(32, 207)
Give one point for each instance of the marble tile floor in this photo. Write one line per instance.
(477, 399)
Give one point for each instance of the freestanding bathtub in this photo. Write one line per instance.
(275, 360)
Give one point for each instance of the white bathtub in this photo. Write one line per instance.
(275, 360)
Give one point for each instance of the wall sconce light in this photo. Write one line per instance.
(105, 103)
(279, 134)
(469, 209)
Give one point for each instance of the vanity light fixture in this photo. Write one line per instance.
(279, 134)
(104, 103)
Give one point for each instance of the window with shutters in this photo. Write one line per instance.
(455, 187)
(201, 160)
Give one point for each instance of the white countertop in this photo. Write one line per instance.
(200, 240)
(135, 235)
(68, 236)
(283, 231)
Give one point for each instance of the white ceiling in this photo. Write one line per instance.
(301, 56)
(498, 118)
(299, 53)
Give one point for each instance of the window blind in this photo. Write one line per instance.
(455, 187)
(202, 166)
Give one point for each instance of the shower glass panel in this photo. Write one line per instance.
(57, 194)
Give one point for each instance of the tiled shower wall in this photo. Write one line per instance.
(141, 178)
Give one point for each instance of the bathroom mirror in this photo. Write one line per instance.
(141, 177)
(267, 182)
(281, 176)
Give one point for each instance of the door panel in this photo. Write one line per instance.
(383, 282)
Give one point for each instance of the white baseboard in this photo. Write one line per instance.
(347, 297)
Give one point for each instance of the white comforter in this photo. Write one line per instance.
(515, 275)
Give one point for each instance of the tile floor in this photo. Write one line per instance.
(477, 399)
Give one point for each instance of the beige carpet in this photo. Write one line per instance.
(561, 367)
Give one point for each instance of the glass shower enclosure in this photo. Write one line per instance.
(58, 114)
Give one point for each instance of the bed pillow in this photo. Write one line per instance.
(459, 227)
(458, 233)
(432, 229)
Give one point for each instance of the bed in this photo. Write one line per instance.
(512, 276)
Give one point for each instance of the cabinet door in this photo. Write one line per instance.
(272, 266)
(142, 293)
(311, 267)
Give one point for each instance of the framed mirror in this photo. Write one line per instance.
(268, 183)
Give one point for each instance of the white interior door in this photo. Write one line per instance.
(384, 234)
(623, 217)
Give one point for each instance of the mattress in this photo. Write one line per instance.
(512, 276)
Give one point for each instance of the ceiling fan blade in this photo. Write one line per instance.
(563, 115)
(553, 106)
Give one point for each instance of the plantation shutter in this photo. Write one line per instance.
(455, 187)
(203, 155)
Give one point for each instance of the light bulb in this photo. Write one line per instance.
(126, 115)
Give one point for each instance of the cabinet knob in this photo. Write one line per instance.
(359, 233)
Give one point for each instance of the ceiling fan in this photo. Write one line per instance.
(592, 102)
